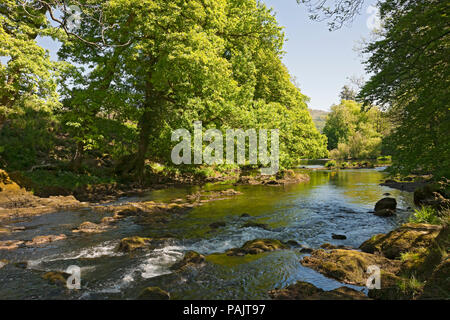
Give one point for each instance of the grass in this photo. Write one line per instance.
(425, 215)
(411, 286)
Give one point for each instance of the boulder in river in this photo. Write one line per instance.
(133, 243)
(252, 224)
(307, 291)
(56, 277)
(338, 236)
(154, 293)
(90, 227)
(257, 246)
(348, 266)
(191, 258)
(40, 240)
(386, 203)
(10, 244)
(406, 238)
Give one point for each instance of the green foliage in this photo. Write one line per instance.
(64, 179)
(330, 164)
(409, 62)
(353, 132)
(425, 215)
(410, 286)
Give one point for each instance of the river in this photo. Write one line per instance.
(332, 202)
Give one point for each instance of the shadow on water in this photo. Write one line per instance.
(332, 202)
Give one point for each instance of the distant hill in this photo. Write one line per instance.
(319, 117)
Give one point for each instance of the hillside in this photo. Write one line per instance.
(319, 117)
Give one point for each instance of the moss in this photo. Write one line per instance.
(257, 246)
(191, 258)
(56, 277)
(133, 243)
(407, 238)
(348, 266)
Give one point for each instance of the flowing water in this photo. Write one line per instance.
(332, 202)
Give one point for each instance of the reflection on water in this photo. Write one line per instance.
(332, 202)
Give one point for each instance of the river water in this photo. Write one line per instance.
(332, 202)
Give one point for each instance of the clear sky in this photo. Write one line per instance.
(321, 61)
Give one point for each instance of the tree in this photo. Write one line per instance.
(354, 132)
(411, 79)
(185, 61)
(347, 93)
(338, 14)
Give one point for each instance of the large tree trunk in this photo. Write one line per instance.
(144, 133)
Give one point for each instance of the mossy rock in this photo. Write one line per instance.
(307, 291)
(438, 285)
(404, 239)
(133, 243)
(257, 246)
(56, 277)
(348, 266)
(154, 293)
(386, 203)
(252, 224)
(191, 258)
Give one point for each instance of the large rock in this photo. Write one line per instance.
(349, 266)
(257, 246)
(90, 227)
(40, 240)
(436, 195)
(306, 291)
(190, 259)
(154, 293)
(56, 277)
(406, 238)
(386, 203)
(133, 243)
(10, 244)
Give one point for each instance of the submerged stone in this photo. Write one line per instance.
(154, 293)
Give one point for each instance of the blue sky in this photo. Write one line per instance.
(320, 60)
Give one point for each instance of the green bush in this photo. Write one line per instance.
(330, 164)
(425, 215)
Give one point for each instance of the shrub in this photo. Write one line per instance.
(330, 164)
(425, 215)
